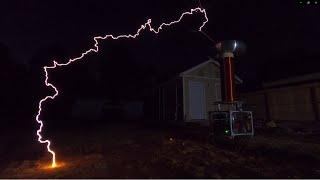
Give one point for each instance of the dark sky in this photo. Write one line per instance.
(275, 31)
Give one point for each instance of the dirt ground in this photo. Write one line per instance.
(127, 151)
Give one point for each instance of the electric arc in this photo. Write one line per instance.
(95, 49)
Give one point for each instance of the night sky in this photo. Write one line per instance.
(282, 38)
(276, 32)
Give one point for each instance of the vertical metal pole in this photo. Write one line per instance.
(267, 108)
(163, 106)
(159, 104)
(315, 105)
(176, 114)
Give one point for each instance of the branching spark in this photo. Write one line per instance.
(96, 49)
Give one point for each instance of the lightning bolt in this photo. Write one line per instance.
(95, 49)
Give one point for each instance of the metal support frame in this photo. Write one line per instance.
(232, 120)
(229, 115)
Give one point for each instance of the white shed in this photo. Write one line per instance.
(189, 96)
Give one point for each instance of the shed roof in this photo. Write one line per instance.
(293, 80)
(211, 60)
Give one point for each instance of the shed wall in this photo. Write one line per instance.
(210, 76)
(291, 104)
(256, 102)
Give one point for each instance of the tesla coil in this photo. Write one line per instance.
(229, 119)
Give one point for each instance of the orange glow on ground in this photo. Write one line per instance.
(54, 166)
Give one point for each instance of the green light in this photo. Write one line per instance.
(226, 131)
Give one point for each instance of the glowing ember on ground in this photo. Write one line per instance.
(54, 166)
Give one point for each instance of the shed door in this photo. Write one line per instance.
(196, 100)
